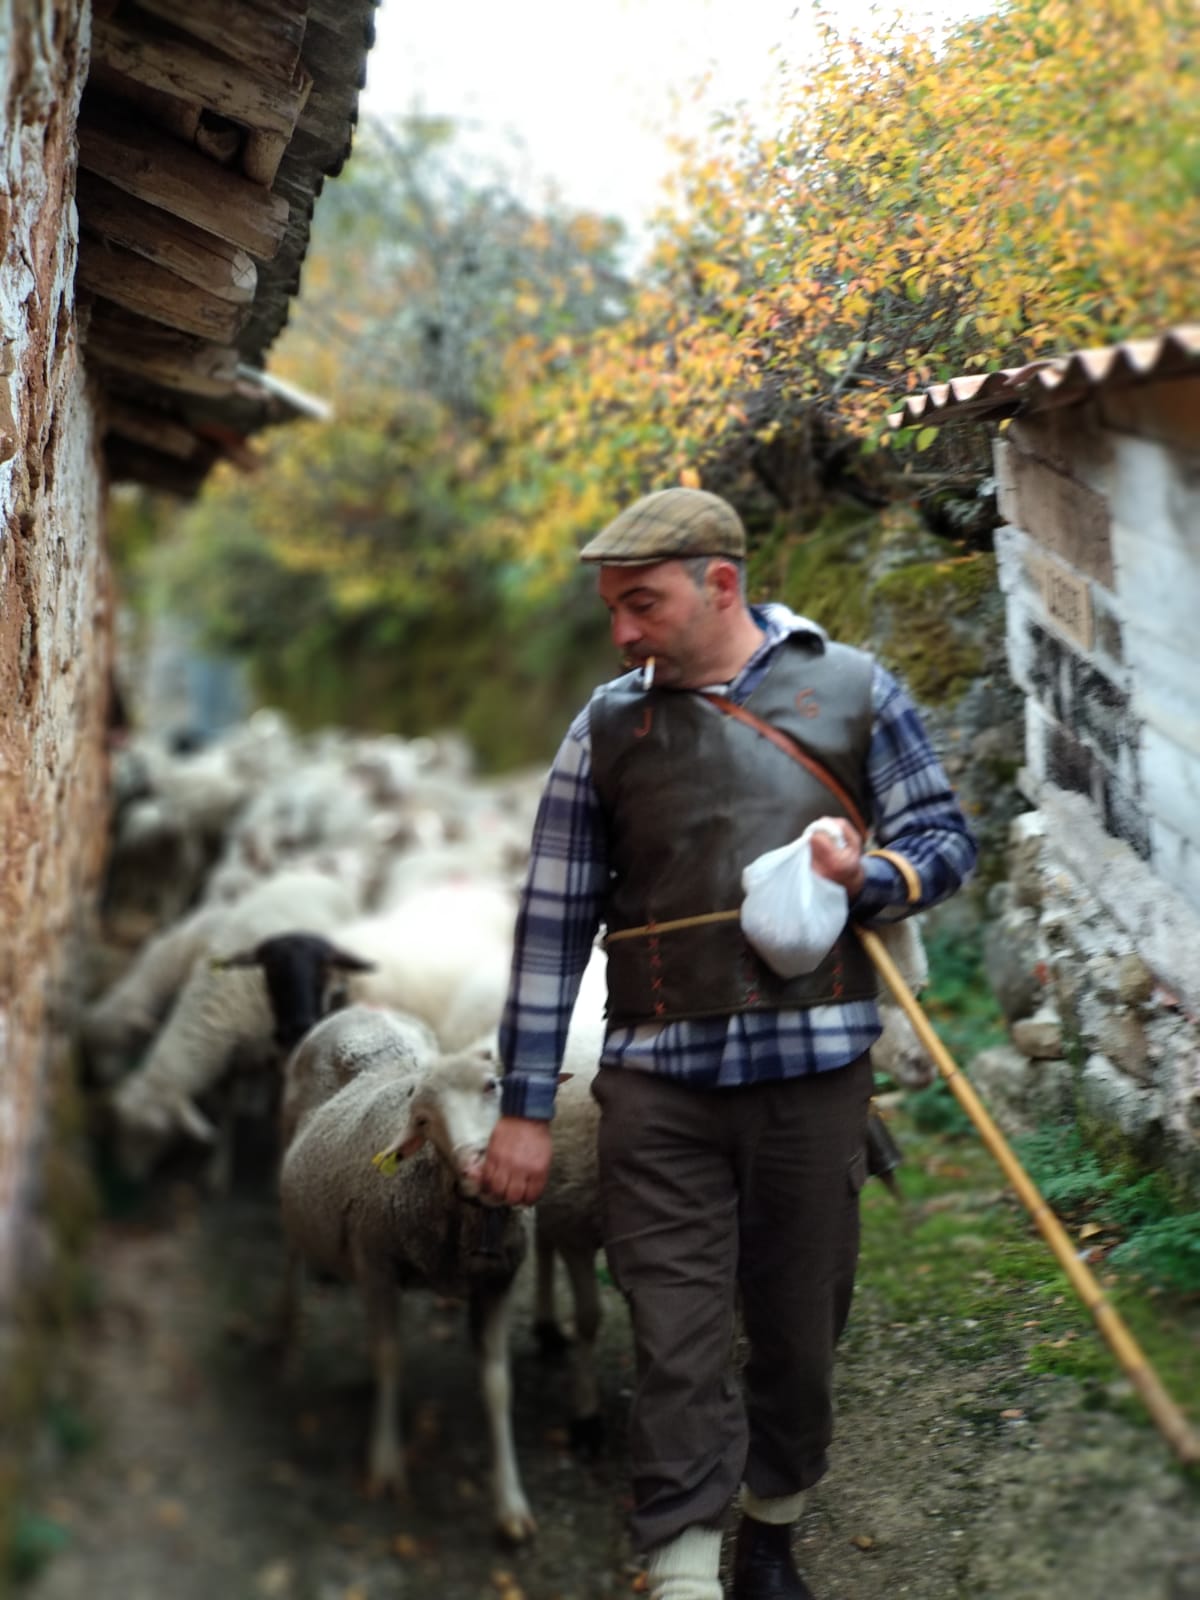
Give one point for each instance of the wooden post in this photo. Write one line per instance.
(180, 180)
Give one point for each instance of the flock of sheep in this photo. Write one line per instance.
(321, 933)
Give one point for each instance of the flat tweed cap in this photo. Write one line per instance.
(669, 525)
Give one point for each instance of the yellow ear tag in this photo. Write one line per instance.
(388, 1163)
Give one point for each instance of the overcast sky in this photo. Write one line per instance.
(586, 92)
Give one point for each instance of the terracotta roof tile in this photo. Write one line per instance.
(1055, 381)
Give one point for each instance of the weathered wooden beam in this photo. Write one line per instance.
(265, 35)
(171, 360)
(332, 14)
(222, 139)
(179, 118)
(149, 290)
(262, 152)
(134, 463)
(200, 258)
(150, 428)
(193, 71)
(328, 121)
(180, 180)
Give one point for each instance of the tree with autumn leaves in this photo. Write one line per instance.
(913, 207)
(1029, 184)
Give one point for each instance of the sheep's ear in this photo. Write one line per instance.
(388, 1160)
(565, 1077)
(343, 961)
(193, 1122)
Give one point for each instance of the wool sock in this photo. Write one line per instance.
(687, 1567)
(781, 1509)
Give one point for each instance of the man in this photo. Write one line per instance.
(733, 1101)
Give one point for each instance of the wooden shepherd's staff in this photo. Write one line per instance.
(1166, 1414)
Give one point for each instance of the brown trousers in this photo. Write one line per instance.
(709, 1195)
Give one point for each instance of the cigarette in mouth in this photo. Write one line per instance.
(648, 673)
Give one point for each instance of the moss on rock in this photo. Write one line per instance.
(927, 623)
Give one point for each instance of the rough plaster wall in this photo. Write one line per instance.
(1106, 873)
(54, 613)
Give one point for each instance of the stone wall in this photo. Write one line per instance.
(54, 615)
(1094, 945)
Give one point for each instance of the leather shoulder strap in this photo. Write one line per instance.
(790, 748)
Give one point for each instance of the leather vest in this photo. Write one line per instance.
(690, 797)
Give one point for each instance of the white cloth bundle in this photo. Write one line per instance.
(791, 914)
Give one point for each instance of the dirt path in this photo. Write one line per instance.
(958, 1473)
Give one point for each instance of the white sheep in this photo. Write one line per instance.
(360, 1083)
(443, 955)
(116, 1027)
(568, 1212)
(220, 1021)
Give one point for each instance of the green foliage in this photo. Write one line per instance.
(1068, 1174)
(1158, 1240)
(36, 1540)
(919, 208)
(961, 1262)
(935, 1110)
(351, 570)
(959, 1000)
(1165, 1253)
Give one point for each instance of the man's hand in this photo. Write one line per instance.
(517, 1161)
(840, 862)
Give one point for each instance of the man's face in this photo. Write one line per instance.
(659, 611)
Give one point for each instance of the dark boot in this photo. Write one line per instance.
(763, 1568)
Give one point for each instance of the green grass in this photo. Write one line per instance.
(961, 1259)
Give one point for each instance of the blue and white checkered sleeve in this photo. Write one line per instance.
(914, 812)
(560, 911)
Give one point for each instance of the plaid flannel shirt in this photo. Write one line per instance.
(912, 811)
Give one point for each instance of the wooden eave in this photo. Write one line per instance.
(206, 131)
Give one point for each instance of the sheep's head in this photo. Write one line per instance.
(113, 1039)
(298, 970)
(455, 1110)
(149, 1123)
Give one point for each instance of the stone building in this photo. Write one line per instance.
(1094, 942)
(160, 165)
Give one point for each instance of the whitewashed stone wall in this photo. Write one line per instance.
(1100, 566)
(54, 611)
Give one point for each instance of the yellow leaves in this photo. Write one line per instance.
(689, 478)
